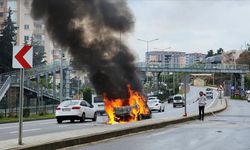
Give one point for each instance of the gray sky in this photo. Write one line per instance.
(190, 25)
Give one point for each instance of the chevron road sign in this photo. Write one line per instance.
(22, 57)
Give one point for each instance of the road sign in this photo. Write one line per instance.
(22, 57)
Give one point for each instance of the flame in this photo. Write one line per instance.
(136, 103)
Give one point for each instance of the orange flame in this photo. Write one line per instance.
(136, 103)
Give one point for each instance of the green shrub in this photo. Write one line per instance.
(26, 112)
(1, 115)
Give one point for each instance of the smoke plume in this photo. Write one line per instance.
(89, 30)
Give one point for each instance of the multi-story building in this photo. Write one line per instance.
(194, 58)
(3, 11)
(28, 29)
(166, 57)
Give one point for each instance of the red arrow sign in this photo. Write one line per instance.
(20, 56)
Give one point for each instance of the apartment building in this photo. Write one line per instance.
(28, 29)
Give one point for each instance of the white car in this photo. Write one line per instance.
(75, 110)
(155, 104)
(97, 102)
(178, 100)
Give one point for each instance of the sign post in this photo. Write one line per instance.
(23, 59)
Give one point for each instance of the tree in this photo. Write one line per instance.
(210, 53)
(38, 53)
(87, 94)
(220, 51)
(8, 37)
(244, 58)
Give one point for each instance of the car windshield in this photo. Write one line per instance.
(98, 100)
(69, 103)
(177, 98)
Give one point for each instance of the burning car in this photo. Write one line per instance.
(127, 110)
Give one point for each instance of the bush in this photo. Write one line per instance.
(26, 112)
(1, 115)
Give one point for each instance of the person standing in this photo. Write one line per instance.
(202, 102)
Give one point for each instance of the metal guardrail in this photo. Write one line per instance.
(5, 87)
(227, 68)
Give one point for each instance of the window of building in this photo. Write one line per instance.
(26, 38)
(1, 14)
(26, 27)
(1, 4)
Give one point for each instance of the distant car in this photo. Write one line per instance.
(248, 95)
(97, 102)
(155, 104)
(170, 99)
(178, 100)
(75, 110)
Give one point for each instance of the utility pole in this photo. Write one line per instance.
(61, 77)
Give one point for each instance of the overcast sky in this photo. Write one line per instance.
(190, 25)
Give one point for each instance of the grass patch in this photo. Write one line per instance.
(30, 118)
(237, 97)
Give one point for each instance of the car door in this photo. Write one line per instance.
(90, 110)
(85, 108)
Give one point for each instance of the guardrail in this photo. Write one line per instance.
(237, 68)
(5, 87)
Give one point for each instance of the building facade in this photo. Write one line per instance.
(28, 29)
(166, 57)
(194, 58)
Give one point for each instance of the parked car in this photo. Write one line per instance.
(75, 110)
(248, 95)
(209, 93)
(97, 102)
(178, 100)
(170, 99)
(155, 104)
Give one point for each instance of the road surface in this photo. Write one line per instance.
(229, 130)
(10, 130)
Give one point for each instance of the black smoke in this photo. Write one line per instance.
(89, 30)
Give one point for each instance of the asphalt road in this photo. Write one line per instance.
(10, 131)
(229, 130)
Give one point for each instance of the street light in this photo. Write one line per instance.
(147, 59)
(162, 49)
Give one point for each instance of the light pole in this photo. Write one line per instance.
(147, 59)
(61, 77)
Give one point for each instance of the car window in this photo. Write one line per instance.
(98, 99)
(69, 103)
(87, 104)
(177, 98)
(83, 103)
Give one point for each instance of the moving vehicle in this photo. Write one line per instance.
(97, 102)
(178, 100)
(248, 95)
(155, 104)
(170, 99)
(75, 110)
(209, 93)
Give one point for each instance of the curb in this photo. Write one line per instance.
(68, 142)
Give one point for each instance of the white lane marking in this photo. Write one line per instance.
(8, 127)
(30, 130)
(47, 123)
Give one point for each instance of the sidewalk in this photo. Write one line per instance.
(71, 138)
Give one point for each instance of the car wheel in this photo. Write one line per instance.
(95, 117)
(159, 110)
(174, 106)
(83, 118)
(163, 110)
(59, 120)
